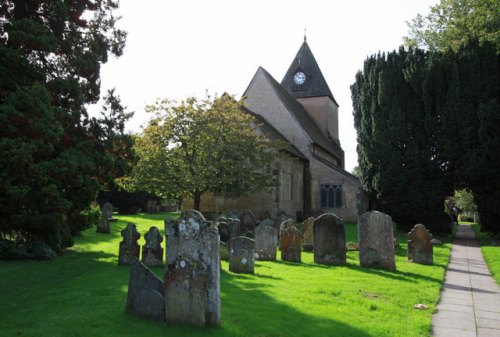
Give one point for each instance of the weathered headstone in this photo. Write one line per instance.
(420, 245)
(248, 221)
(233, 214)
(284, 225)
(129, 248)
(266, 240)
(193, 263)
(376, 245)
(234, 228)
(308, 242)
(267, 222)
(186, 290)
(152, 252)
(106, 215)
(329, 240)
(145, 293)
(241, 255)
(291, 244)
(264, 214)
(224, 231)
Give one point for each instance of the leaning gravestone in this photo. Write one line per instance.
(420, 245)
(106, 215)
(291, 244)
(152, 252)
(266, 241)
(145, 293)
(248, 221)
(308, 242)
(376, 243)
(241, 255)
(329, 240)
(129, 248)
(192, 277)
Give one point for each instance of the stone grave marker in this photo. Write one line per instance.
(106, 215)
(193, 262)
(248, 221)
(129, 248)
(152, 252)
(186, 291)
(308, 242)
(329, 240)
(376, 243)
(224, 231)
(266, 240)
(420, 245)
(291, 244)
(145, 293)
(241, 255)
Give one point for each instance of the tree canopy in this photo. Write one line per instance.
(427, 124)
(52, 154)
(452, 23)
(199, 146)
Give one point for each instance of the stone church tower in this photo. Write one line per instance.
(301, 111)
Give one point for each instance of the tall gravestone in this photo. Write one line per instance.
(376, 243)
(129, 248)
(152, 252)
(145, 293)
(106, 215)
(241, 255)
(329, 240)
(291, 244)
(420, 245)
(288, 222)
(266, 241)
(192, 276)
(308, 242)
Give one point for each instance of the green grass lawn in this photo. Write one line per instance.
(83, 293)
(490, 247)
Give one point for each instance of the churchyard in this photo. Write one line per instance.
(84, 292)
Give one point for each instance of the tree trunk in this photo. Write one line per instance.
(197, 200)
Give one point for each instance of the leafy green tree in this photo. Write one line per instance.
(51, 151)
(464, 200)
(199, 146)
(452, 23)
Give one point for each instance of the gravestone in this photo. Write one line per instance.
(267, 222)
(376, 245)
(266, 241)
(186, 290)
(420, 245)
(106, 215)
(329, 240)
(152, 252)
(291, 244)
(284, 225)
(248, 221)
(308, 242)
(224, 231)
(264, 214)
(129, 248)
(193, 262)
(234, 228)
(241, 255)
(145, 293)
(233, 214)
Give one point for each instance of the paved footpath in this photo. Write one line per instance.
(470, 297)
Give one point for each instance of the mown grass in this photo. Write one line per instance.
(83, 293)
(490, 247)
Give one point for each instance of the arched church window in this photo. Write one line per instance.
(331, 196)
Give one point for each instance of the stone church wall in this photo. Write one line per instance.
(352, 196)
(289, 197)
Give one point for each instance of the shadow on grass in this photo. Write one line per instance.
(84, 294)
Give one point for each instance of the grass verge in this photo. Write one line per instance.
(83, 293)
(490, 247)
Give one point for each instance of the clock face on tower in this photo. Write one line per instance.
(299, 78)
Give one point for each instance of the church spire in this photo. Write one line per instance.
(305, 34)
(304, 78)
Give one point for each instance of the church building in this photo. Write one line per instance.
(302, 111)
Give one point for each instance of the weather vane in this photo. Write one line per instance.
(7, 6)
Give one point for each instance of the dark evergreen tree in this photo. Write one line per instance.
(51, 152)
